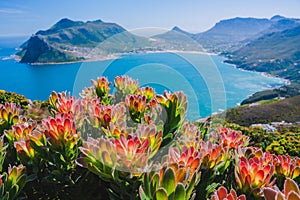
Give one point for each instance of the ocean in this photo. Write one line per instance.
(210, 84)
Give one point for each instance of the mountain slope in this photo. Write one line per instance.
(229, 32)
(69, 40)
(277, 53)
(283, 110)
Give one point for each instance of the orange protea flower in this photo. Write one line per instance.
(137, 106)
(253, 174)
(126, 84)
(149, 132)
(148, 92)
(101, 86)
(188, 158)
(190, 136)
(213, 155)
(108, 115)
(287, 167)
(222, 194)
(24, 150)
(63, 103)
(133, 153)
(20, 131)
(61, 131)
(9, 114)
(232, 139)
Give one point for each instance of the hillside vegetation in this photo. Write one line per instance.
(282, 110)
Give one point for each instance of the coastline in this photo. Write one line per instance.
(112, 57)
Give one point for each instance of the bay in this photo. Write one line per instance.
(210, 85)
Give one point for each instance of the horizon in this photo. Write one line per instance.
(25, 19)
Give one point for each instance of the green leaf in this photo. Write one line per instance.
(179, 192)
(210, 188)
(168, 181)
(13, 192)
(160, 194)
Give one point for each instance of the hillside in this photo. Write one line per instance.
(277, 53)
(283, 110)
(228, 33)
(69, 40)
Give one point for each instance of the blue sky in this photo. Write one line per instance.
(24, 17)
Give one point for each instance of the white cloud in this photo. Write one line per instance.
(10, 11)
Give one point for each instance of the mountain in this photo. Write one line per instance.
(69, 40)
(177, 39)
(277, 53)
(229, 32)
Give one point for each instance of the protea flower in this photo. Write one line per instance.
(121, 162)
(190, 136)
(290, 192)
(214, 156)
(133, 153)
(9, 115)
(61, 131)
(188, 158)
(20, 131)
(24, 150)
(101, 86)
(137, 106)
(148, 92)
(12, 182)
(150, 132)
(125, 85)
(61, 102)
(172, 181)
(110, 117)
(99, 157)
(222, 194)
(232, 139)
(253, 174)
(287, 167)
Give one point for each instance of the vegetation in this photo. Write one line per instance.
(282, 110)
(281, 142)
(133, 144)
(284, 91)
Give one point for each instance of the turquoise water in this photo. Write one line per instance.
(211, 85)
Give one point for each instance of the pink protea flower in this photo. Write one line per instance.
(65, 103)
(232, 139)
(61, 131)
(150, 132)
(188, 158)
(287, 167)
(190, 136)
(110, 117)
(253, 174)
(133, 153)
(222, 194)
